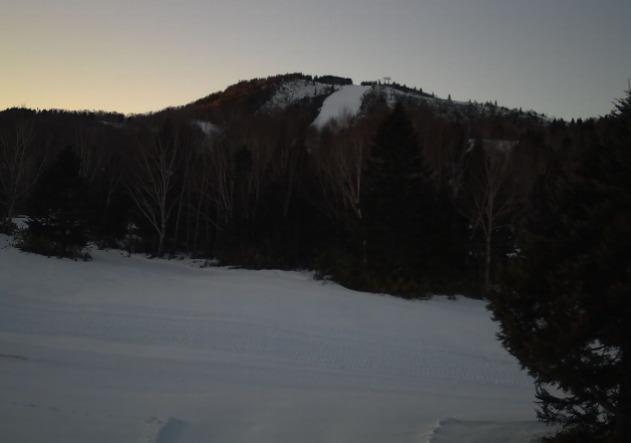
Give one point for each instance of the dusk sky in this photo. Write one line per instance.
(565, 58)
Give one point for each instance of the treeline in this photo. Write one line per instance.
(400, 200)
(396, 86)
(252, 94)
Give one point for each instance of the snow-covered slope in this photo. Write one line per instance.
(346, 100)
(128, 349)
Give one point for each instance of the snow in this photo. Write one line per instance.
(208, 128)
(128, 349)
(346, 100)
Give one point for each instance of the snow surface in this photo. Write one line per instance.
(346, 100)
(127, 349)
(208, 128)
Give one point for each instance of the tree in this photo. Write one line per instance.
(102, 149)
(251, 165)
(393, 194)
(20, 166)
(565, 305)
(220, 173)
(153, 181)
(408, 223)
(288, 159)
(492, 193)
(339, 160)
(60, 210)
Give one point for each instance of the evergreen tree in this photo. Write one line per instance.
(565, 306)
(60, 210)
(407, 226)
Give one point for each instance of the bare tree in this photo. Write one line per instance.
(493, 193)
(339, 160)
(235, 168)
(20, 165)
(218, 170)
(202, 195)
(91, 156)
(253, 160)
(154, 179)
(222, 190)
(290, 151)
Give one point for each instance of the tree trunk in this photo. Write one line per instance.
(487, 262)
(9, 215)
(160, 242)
(623, 410)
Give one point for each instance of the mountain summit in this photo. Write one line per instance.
(330, 97)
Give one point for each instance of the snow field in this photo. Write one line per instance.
(129, 349)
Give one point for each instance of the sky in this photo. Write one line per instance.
(565, 58)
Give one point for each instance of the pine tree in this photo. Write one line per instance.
(565, 305)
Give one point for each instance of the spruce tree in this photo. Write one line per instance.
(565, 304)
(407, 226)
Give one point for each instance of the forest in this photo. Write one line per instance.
(405, 197)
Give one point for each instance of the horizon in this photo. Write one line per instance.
(570, 59)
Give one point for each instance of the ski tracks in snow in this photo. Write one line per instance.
(329, 351)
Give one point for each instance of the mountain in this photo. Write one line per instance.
(275, 94)
(271, 172)
(279, 92)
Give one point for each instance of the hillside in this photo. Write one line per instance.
(279, 92)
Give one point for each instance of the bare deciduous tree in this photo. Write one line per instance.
(154, 178)
(222, 189)
(339, 160)
(20, 165)
(493, 192)
(202, 195)
(289, 152)
(252, 164)
(89, 152)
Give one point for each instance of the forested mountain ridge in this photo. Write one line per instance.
(247, 177)
(277, 92)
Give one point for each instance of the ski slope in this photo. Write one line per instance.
(346, 100)
(127, 349)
